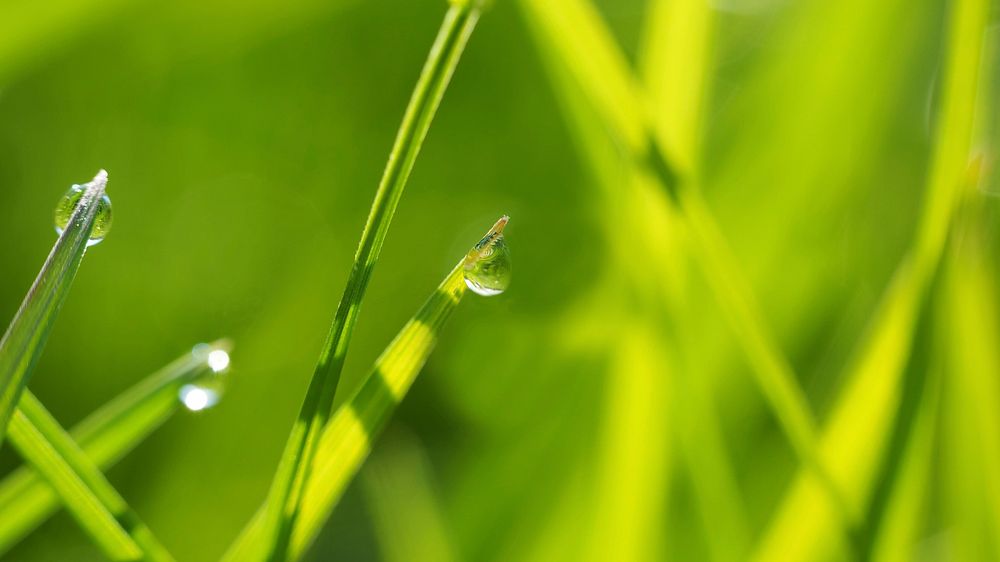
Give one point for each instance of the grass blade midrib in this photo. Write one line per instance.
(293, 471)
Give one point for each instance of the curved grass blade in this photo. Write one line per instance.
(84, 490)
(25, 337)
(348, 438)
(105, 436)
(285, 495)
(853, 439)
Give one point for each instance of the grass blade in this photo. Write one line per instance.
(25, 337)
(348, 437)
(414, 528)
(853, 439)
(285, 495)
(84, 490)
(104, 436)
(572, 32)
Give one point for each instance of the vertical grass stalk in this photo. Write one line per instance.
(348, 438)
(285, 495)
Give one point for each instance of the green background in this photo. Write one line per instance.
(244, 141)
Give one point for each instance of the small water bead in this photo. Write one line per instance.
(206, 390)
(69, 203)
(487, 265)
(197, 398)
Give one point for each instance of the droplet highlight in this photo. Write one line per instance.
(206, 389)
(71, 200)
(197, 398)
(487, 267)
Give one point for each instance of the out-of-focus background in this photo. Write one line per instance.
(575, 416)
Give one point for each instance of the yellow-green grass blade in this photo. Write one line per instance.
(285, 496)
(406, 510)
(571, 31)
(348, 438)
(27, 499)
(858, 429)
(971, 440)
(639, 221)
(902, 521)
(24, 340)
(86, 493)
(628, 510)
(674, 59)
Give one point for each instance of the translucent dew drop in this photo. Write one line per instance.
(69, 203)
(487, 265)
(197, 398)
(206, 390)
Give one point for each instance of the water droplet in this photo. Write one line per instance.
(206, 389)
(197, 398)
(68, 204)
(487, 265)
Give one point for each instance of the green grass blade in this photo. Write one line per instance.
(22, 344)
(104, 436)
(84, 490)
(571, 31)
(853, 439)
(347, 439)
(285, 495)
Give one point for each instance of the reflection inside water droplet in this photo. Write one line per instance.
(487, 265)
(206, 389)
(69, 203)
(197, 398)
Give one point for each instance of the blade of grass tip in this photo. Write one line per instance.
(104, 436)
(347, 439)
(25, 337)
(574, 32)
(86, 493)
(292, 475)
(854, 437)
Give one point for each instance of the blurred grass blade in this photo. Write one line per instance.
(971, 442)
(84, 490)
(105, 436)
(407, 512)
(349, 436)
(285, 495)
(861, 418)
(674, 62)
(571, 31)
(25, 337)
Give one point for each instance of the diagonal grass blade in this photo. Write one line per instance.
(285, 495)
(25, 337)
(104, 436)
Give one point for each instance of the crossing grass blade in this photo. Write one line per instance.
(22, 344)
(572, 33)
(349, 436)
(88, 496)
(285, 496)
(854, 438)
(27, 499)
